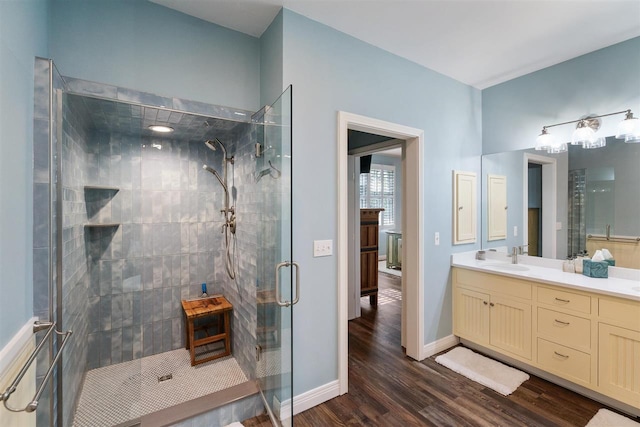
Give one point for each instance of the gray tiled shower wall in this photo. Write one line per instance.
(75, 279)
(167, 243)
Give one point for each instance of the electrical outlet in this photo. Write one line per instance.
(322, 248)
(515, 231)
(436, 239)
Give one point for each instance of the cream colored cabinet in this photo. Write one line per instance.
(619, 349)
(587, 338)
(564, 334)
(497, 207)
(464, 207)
(471, 318)
(485, 313)
(619, 363)
(511, 326)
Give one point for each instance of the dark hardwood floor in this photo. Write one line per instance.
(386, 388)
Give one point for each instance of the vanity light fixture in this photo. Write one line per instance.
(161, 128)
(586, 133)
(629, 129)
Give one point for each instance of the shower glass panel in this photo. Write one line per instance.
(276, 274)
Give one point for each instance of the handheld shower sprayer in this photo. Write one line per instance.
(229, 226)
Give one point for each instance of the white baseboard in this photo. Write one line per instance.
(439, 345)
(16, 346)
(311, 398)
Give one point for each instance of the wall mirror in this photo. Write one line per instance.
(562, 204)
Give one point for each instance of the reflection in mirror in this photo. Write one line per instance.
(596, 194)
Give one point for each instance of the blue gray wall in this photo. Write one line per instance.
(271, 85)
(23, 35)
(600, 82)
(331, 71)
(150, 48)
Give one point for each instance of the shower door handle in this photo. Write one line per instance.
(297, 298)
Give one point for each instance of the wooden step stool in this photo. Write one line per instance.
(206, 307)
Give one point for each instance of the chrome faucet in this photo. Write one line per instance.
(514, 255)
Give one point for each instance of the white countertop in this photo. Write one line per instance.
(622, 282)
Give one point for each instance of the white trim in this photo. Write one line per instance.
(309, 399)
(16, 346)
(440, 345)
(549, 202)
(413, 243)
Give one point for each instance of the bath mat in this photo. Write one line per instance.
(607, 418)
(236, 424)
(488, 372)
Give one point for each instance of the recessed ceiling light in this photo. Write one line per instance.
(161, 129)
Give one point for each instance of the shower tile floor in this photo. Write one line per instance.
(123, 392)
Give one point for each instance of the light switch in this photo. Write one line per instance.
(322, 248)
(436, 239)
(515, 231)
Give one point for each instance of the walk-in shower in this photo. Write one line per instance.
(133, 230)
(229, 211)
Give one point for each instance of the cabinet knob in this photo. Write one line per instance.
(485, 303)
(506, 207)
(491, 304)
(460, 208)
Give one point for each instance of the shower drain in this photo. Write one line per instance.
(165, 378)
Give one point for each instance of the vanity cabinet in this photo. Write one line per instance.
(619, 349)
(564, 334)
(493, 312)
(589, 339)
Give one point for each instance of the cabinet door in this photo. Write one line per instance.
(497, 207)
(369, 236)
(471, 317)
(619, 363)
(464, 207)
(511, 326)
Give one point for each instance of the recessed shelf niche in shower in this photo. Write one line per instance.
(96, 197)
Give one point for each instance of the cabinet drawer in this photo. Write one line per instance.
(494, 283)
(564, 361)
(572, 331)
(564, 299)
(622, 313)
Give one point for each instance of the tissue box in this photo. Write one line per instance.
(598, 269)
(611, 262)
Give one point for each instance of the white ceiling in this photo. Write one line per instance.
(478, 42)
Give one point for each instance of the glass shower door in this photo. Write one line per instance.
(277, 272)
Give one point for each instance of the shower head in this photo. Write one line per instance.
(210, 144)
(217, 175)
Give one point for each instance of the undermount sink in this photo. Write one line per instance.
(508, 267)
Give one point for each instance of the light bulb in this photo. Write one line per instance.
(583, 134)
(545, 140)
(629, 129)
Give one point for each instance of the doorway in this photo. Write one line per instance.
(534, 210)
(412, 223)
(540, 225)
